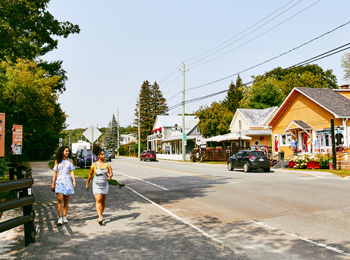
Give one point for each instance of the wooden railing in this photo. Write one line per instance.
(25, 200)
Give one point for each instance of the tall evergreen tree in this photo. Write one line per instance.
(158, 102)
(152, 103)
(234, 95)
(111, 138)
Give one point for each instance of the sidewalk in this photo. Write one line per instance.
(134, 229)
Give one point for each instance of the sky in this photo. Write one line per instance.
(124, 43)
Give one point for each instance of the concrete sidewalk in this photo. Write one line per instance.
(134, 229)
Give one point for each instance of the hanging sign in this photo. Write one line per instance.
(17, 139)
(2, 134)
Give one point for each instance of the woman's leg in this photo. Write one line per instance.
(66, 204)
(99, 209)
(103, 202)
(59, 204)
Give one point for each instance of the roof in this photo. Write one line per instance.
(329, 99)
(257, 132)
(256, 117)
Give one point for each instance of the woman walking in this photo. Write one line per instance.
(103, 173)
(63, 184)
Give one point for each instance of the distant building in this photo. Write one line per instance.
(128, 138)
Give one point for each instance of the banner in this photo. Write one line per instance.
(17, 137)
(2, 134)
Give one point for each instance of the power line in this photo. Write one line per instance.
(315, 58)
(255, 37)
(240, 32)
(257, 65)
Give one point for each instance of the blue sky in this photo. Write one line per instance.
(123, 43)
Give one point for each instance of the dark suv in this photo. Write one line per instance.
(248, 160)
(80, 158)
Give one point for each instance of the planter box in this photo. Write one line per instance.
(313, 165)
(291, 164)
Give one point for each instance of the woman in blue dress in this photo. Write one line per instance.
(63, 181)
(103, 173)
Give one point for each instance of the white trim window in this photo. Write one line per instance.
(285, 139)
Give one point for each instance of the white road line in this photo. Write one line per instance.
(236, 251)
(305, 239)
(143, 181)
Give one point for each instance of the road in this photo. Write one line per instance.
(278, 215)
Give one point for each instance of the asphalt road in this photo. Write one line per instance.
(134, 228)
(278, 215)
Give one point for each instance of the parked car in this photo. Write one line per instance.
(248, 160)
(80, 159)
(148, 155)
(108, 156)
(111, 153)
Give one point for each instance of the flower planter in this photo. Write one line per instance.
(291, 164)
(313, 165)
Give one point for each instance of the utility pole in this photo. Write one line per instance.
(118, 144)
(183, 114)
(139, 131)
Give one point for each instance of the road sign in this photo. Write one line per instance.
(92, 133)
(185, 137)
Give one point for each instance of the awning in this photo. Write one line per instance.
(228, 137)
(297, 125)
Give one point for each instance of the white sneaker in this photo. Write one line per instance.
(65, 220)
(60, 221)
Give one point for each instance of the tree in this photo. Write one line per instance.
(346, 65)
(308, 76)
(158, 102)
(28, 99)
(28, 31)
(111, 137)
(214, 120)
(152, 103)
(234, 95)
(262, 95)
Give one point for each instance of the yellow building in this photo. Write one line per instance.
(253, 124)
(303, 121)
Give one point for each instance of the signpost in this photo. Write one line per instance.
(92, 134)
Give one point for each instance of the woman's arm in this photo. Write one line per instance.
(110, 172)
(72, 174)
(89, 178)
(53, 184)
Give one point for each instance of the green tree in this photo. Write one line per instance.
(28, 31)
(111, 137)
(234, 95)
(308, 76)
(262, 95)
(158, 102)
(214, 120)
(152, 103)
(345, 63)
(28, 99)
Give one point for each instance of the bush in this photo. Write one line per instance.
(324, 160)
(4, 167)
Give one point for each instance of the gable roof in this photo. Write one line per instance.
(255, 117)
(166, 121)
(330, 100)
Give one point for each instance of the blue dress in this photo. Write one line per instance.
(64, 183)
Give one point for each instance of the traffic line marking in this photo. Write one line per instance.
(236, 251)
(160, 169)
(143, 180)
(332, 248)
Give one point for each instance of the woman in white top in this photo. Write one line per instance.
(63, 184)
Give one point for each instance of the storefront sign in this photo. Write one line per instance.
(17, 139)
(2, 134)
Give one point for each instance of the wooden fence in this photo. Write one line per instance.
(25, 200)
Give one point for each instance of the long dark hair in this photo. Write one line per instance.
(97, 150)
(59, 153)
